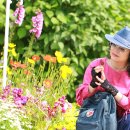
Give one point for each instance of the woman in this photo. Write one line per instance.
(112, 75)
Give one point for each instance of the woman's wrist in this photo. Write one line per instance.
(91, 89)
(118, 97)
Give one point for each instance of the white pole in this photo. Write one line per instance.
(8, 2)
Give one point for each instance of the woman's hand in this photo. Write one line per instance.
(102, 78)
(95, 72)
(104, 83)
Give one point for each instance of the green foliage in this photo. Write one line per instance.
(74, 27)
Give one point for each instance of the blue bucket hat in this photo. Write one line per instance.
(121, 38)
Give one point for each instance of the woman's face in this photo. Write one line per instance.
(119, 54)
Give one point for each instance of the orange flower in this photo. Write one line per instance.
(47, 83)
(53, 59)
(15, 64)
(23, 66)
(49, 58)
(35, 58)
(27, 72)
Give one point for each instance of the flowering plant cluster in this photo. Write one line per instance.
(37, 24)
(37, 20)
(19, 13)
(38, 85)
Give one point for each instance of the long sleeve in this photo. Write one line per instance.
(125, 102)
(82, 91)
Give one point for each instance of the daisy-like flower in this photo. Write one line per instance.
(19, 13)
(37, 24)
(47, 83)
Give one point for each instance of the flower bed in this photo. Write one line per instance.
(37, 85)
(37, 88)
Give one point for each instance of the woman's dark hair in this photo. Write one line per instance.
(128, 66)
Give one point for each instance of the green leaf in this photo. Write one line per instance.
(21, 32)
(49, 13)
(54, 46)
(73, 37)
(47, 21)
(54, 20)
(61, 17)
(75, 60)
(47, 5)
(28, 9)
(61, 45)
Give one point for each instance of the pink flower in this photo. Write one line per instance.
(64, 108)
(19, 13)
(44, 104)
(37, 24)
(56, 104)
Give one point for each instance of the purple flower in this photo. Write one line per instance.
(20, 101)
(19, 13)
(37, 24)
(6, 92)
(24, 100)
(17, 92)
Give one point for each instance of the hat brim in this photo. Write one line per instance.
(111, 39)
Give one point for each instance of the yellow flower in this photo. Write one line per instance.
(31, 61)
(59, 59)
(9, 71)
(14, 52)
(64, 75)
(65, 70)
(12, 45)
(58, 54)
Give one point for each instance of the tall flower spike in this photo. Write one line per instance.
(37, 24)
(19, 13)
